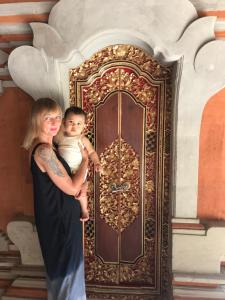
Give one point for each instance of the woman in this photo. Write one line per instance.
(57, 212)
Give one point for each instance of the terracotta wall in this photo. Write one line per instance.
(211, 189)
(15, 179)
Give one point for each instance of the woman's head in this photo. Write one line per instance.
(44, 112)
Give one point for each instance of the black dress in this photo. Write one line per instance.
(57, 217)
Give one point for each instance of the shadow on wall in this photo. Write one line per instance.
(211, 186)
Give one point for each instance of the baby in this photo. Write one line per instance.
(70, 135)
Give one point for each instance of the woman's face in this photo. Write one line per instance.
(50, 123)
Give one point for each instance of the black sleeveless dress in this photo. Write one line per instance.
(57, 217)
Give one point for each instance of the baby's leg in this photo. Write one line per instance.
(82, 197)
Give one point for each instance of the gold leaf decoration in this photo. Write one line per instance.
(119, 185)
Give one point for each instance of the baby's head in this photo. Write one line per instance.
(74, 121)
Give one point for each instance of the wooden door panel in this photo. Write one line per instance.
(106, 116)
(132, 121)
(132, 242)
(133, 124)
(106, 120)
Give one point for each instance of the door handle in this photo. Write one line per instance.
(116, 188)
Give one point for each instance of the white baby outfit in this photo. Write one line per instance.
(69, 149)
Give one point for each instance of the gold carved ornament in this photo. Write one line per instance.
(143, 269)
(119, 185)
(124, 53)
(116, 79)
(97, 271)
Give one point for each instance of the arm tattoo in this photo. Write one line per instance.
(49, 157)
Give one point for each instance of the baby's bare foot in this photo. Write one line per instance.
(84, 216)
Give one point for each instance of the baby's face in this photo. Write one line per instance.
(74, 124)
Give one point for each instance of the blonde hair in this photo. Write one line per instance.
(40, 107)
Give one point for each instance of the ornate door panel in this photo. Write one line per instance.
(119, 206)
(127, 96)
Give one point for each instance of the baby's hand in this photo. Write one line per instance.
(98, 168)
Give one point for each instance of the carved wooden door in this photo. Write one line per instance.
(127, 96)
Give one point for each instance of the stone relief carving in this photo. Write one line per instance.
(24, 235)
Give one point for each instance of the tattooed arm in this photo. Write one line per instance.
(48, 162)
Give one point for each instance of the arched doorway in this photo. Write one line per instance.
(128, 97)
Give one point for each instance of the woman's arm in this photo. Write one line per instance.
(48, 162)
